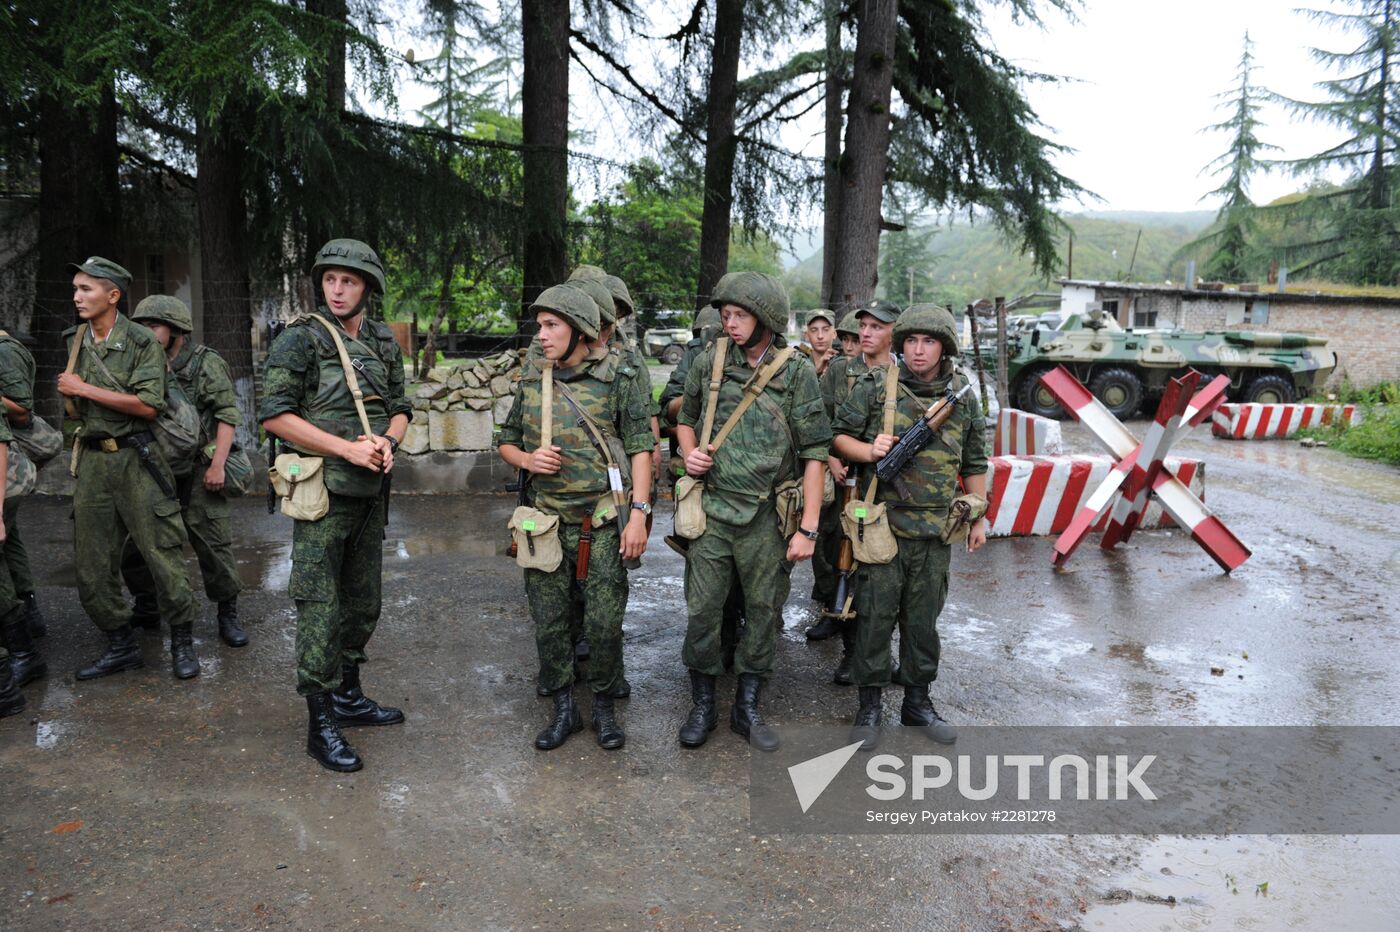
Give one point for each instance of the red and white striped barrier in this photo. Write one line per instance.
(1276, 422)
(1020, 433)
(1032, 496)
(1176, 416)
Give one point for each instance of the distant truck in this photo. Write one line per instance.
(1126, 369)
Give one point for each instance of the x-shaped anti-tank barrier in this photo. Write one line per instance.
(1141, 472)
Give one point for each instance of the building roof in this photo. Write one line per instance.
(1234, 294)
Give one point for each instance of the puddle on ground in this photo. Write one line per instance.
(1255, 882)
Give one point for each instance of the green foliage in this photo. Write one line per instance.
(1377, 437)
(907, 266)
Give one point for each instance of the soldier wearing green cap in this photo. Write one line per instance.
(820, 334)
(124, 488)
(575, 411)
(779, 443)
(337, 559)
(204, 378)
(910, 590)
(874, 324)
(17, 396)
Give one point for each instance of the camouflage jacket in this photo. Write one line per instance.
(204, 376)
(303, 376)
(787, 424)
(137, 362)
(608, 390)
(675, 385)
(932, 477)
(839, 378)
(16, 372)
(627, 359)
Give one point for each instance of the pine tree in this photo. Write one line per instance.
(1230, 235)
(1362, 217)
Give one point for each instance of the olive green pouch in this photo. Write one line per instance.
(787, 499)
(301, 484)
(536, 535)
(690, 508)
(867, 526)
(964, 511)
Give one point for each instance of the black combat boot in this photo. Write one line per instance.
(25, 661)
(38, 627)
(826, 628)
(610, 733)
(323, 738)
(11, 699)
(183, 661)
(744, 718)
(703, 717)
(145, 614)
(566, 721)
(230, 631)
(842, 676)
(123, 653)
(867, 726)
(352, 707)
(918, 710)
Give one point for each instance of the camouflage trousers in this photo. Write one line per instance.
(117, 498)
(754, 555)
(908, 592)
(15, 555)
(210, 530)
(828, 551)
(551, 597)
(336, 583)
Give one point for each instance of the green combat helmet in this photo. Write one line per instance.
(707, 322)
(587, 271)
(595, 289)
(164, 309)
(933, 319)
(760, 294)
(848, 324)
(353, 255)
(620, 294)
(573, 305)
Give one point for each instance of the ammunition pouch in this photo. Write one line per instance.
(964, 511)
(300, 482)
(867, 526)
(536, 536)
(690, 508)
(787, 499)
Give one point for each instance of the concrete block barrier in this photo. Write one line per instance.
(1276, 422)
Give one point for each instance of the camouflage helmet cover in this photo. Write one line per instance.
(587, 271)
(707, 319)
(848, 325)
(595, 289)
(932, 319)
(760, 294)
(568, 302)
(620, 294)
(353, 255)
(164, 309)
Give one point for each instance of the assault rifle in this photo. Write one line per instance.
(915, 439)
(521, 488)
(840, 607)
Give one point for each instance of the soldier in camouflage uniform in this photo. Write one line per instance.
(337, 560)
(570, 480)
(910, 590)
(874, 324)
(204, 377)
(819, 334)
(124, 486)
(11, 609)
(848, 333)
(784, 437)
(17, 395)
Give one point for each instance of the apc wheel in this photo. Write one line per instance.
(1120, 391)
(1271, 389)
(671, 356)
(1036, 398)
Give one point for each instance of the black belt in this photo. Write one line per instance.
(113, 444)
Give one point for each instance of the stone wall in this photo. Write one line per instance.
(456, 408)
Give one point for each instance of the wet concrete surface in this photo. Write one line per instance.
(141, 801)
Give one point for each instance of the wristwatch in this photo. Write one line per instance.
(810, 535)
(393, 444)
(643, 507)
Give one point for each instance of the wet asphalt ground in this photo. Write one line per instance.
(139, 801)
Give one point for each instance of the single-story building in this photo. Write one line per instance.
(1363, 330)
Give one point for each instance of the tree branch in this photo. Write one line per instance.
(626, 75)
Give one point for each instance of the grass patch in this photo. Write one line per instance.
(1377, 437)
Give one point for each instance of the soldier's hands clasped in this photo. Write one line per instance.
(386, 450)
(545, 461)
(365, 453)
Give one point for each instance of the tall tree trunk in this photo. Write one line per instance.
(720, 145)
(328, 82)
(831, 179)
(545, 128)
(79, 216)
(428, 357)
(867, 152)
(223, 259)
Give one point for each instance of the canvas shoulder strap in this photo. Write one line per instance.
(753, 390)
(351, 381)
(590, 424)
(712, 397)
(546, 404)
(69, 404)
(887, 427)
